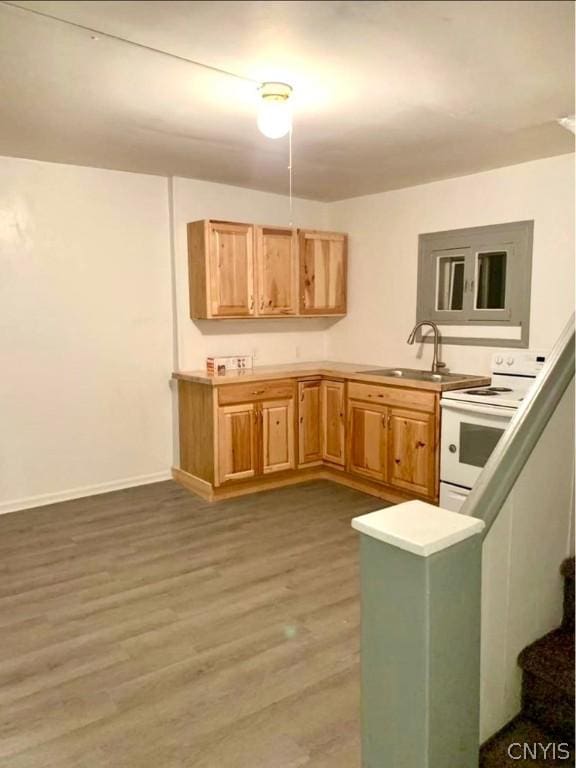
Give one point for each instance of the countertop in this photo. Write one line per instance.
(346, 371)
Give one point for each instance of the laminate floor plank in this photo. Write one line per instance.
(146, 628)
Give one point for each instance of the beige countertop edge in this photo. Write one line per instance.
(348, 371)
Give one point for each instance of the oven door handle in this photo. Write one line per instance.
(503, 413)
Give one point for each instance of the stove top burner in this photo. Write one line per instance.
(482, 392)
(499, 389)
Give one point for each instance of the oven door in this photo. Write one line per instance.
(469, 435)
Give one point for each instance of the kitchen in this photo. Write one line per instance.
(113, 142)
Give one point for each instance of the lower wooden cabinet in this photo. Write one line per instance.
(277, 439)
(396, 446)
(255, 438)
(321, 422)
(378, 438)
(411, 451)
(309, 423)
(367, 441)
(333, 421)
(237, 445)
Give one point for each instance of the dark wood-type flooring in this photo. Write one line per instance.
(149, 629)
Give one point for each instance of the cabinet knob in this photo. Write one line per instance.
(258, 391)
(452, 448)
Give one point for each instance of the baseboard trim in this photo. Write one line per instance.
(292, 477)
(45, 499)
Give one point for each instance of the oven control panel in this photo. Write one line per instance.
(520, 362)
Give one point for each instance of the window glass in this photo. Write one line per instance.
(491, 280)
(450, 281)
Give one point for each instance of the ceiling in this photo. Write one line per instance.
(387, 94)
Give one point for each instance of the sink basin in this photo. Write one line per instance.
(412, 373)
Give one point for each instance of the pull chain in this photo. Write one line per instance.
(290, 175)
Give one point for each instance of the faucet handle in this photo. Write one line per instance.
(440, 365)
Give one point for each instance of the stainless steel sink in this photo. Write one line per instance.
(412, 373)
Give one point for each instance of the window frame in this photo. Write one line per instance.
(516, 240)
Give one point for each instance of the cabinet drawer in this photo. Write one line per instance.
(394, 396)
(258, 390)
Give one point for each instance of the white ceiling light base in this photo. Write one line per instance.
(275, 110)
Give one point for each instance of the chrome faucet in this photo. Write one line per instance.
(436, 364)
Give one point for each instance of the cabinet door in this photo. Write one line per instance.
(231, 269)
(322, 273)
(237, 455)
(333, 433)
(411, 451)
(309, 422)
(367, 440)
(277, 435)
(277, 271)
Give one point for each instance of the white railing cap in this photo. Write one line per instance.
(418, 527)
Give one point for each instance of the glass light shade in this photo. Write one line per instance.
(274, 116)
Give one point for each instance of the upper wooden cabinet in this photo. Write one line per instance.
(323, 270)
(277, 271)
(221, 269)
(242, 270)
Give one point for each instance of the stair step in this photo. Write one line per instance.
(551, 658)
(548, 683)
(523, 742)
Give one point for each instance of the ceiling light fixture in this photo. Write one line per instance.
(275, 110)
(569, 123)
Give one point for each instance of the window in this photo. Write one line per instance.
(475, 283)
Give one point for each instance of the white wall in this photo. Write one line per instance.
(85, 331)
(271, 341)
(384, 231)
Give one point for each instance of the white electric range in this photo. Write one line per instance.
(474, 420)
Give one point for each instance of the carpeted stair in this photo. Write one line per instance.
(547, 715)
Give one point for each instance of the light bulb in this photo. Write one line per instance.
(274, 112)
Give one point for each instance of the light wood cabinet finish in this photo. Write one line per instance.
(221, 269)
(367, 440)
(195, 415)
(239, 437)
(261, 390)
(411, 451)
(277, 271)
(277, 418)
(255, 430)
(237, 449)
(323, 272)
(393, 396)
(309, 422)
(240, 270)
(333, 420)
